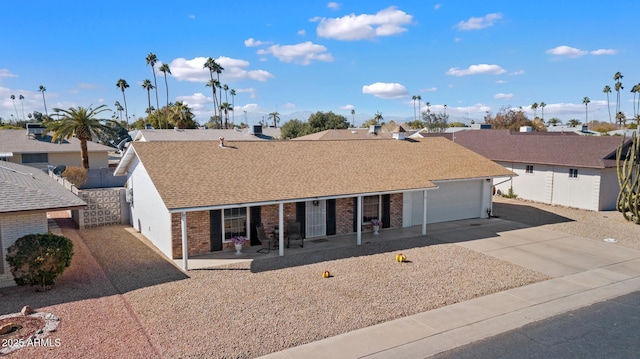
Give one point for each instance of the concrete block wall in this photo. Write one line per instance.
(105, 206)
(12, 227)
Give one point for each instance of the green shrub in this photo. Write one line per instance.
(510, 194)
(38, 259)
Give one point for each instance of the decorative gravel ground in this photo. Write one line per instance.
(120, 299)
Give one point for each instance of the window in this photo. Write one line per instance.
(370, 208)
(235, 222)
(573, 173)
(35, 158)
(529, 169)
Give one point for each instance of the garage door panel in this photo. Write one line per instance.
(454, 201)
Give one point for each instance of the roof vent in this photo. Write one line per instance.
(526, 129)
(221, 142)
(398, 133)
(35, 129)
(147, 126)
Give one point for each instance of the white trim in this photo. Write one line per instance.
(281, 229)
(424, 216)
(185, 252)
(359, 221)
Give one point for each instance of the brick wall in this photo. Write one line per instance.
(344, 215)
(198, 233)
(269, 215)
(396, 210)
(13, 227)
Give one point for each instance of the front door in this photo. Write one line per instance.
(316, 218)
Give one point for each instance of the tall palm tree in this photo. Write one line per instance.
(22, 104)
(43, 89)
(151, 60)
(428, 104)
(573, 122)
(276, 118)
(618, 87)
(414, 97)
(122, 85)
(353, 116)
(13, 98)
(80, 122)
(445, 111)
(586, 101)
(419, 98)
(164, 68)
(233, 103)
(534, 107)
(607, 90)
(542, 106)
(226, 107)
(211, 64)
(213, 84)
(635, 89)
(147, 85)
(119, 108)
(378, 117)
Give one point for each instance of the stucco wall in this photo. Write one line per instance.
(12, 227)
(96, 159)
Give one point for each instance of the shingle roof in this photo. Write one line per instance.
(534, 148)
(205, 135)
(346, 134)
(17, 141)
(24, 188)
(197, 174)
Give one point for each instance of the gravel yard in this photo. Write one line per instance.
(120, 299)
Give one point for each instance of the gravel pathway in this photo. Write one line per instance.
(121, 299)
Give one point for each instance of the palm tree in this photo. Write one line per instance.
(43, 89)
(414, 97)
(618, 86)
(22, 104)
(13, 98)
(122, 84)
(147, 85)
(353, 116)
(378, 117)
(165, 68)
(634, 90)
(586, 101)
(428, 104)
(573, 122)
(542, 106)
(151, 60)
(607, 90)
(419, 98)
(119, 108)
(276, 118)
(211, 64)
(226, 107)
(80, 122)
(233, 103)
(534, 107)
(445, 111)
(213, 84)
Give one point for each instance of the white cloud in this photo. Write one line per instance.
(288, 106)
(334, 5)
(234, 69)
(6, 73)
(251, 91)
(301, 32)
(437, 6)
(199, 104)
(430, 89)
(86, 86)
(457, 39)
(501, 82)
(385, 90)
(566, 51)
(476, 70)
(250, 107)
(347, 107)
(604, 52)
(251, 42)
(517, 73)
(477, 23)
(503, 96)
(387, 22)
(192, 17)
(302, 53)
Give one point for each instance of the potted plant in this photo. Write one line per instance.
(376, 223)
(238, 241)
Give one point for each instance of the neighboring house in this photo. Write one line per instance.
(375, 132)
(582, 130)
(255, 133)
(567, 170)
(190, 198)
(37, 150)
(27, 195)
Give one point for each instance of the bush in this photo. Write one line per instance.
(510, 194)
(38, 259)
(76, 175)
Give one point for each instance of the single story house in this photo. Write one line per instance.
(568, 170)
(190, 198)
(27, 195)
(255, 133)
(35, 149)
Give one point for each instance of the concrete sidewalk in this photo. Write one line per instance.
(585, 272)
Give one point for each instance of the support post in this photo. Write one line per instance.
(281, 228)
(359, 221)
(424, 213)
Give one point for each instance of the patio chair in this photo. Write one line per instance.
(265, 241)
(294, 233)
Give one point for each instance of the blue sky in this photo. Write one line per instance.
(297, 56)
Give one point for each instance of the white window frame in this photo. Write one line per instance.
(231, 217)
(379, 209)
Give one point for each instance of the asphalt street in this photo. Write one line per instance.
(609, 329)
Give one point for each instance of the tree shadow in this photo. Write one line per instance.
(526, 214)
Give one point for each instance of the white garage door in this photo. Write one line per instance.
(451, 201)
